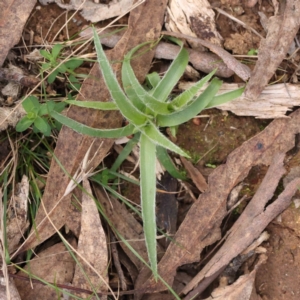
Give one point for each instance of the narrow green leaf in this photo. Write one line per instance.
(167, 163)
(125, 152)
(191, 110)
(43, 110)
(157, 106)
(94, 104)
(158, 138)
(24, 124)
(136, 93)
(51, 106)
(73, 79)
(226, 97)
(83, 129)
(172, 76)
(56, 50)
(131, 85)
(52, 76)
(128, 110)
(148, 193)
(45, 54)
(185, 97)
(59, 107)
(74, 63)
(62, 69)
(46, 66)
(31, 104)
(153, 79)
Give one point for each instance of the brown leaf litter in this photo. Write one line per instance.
(211, 206)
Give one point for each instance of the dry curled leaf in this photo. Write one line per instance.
(54, 265)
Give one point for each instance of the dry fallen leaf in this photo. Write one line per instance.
(195, 175)
(282, 29)
(17, 222)
(126, 225)
(54, 265)
(92, 248)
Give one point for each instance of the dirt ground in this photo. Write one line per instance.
(210, 140)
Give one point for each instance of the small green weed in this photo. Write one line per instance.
(38, 115)
(54, 66)
(252, 52)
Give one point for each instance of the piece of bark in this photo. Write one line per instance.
(13, 16)
(274, 101)
(240, 69)
(209, 210)
(194, 18)
(282, 29)
(144, 23)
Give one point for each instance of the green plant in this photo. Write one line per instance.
(212, 166)
(55, 67)
(146, 112)
(252, 52)
(38, 115)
